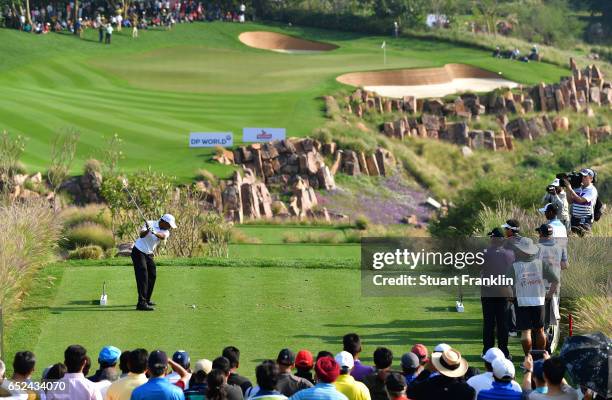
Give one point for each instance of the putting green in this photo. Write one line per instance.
(156, 89)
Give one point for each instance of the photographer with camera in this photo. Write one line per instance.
(583, 199)
(555, 194)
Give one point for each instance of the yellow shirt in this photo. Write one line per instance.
(354, 390)
(123, 388)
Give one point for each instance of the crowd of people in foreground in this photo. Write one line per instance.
(139, 375)
(47, 17)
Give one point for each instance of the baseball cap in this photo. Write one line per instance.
(304, 359)
(158, 360)
(545, 230)
(493, 354)
(169, 218)
(421, 351)
(181, 357)
(442, 347)
(327, 369)
(286, 357)
(496, 232)
(410, 360)
(512, 224)
(587, 172)
(395, 382)
(203, 365)
(109, 355)
(345, 360)
(555, 182)
(503, 369)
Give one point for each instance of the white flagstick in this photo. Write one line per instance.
(103, 298)
(384, 47)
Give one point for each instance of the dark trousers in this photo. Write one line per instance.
(495, 317)
(146, 273)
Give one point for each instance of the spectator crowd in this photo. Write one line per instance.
(422, 375)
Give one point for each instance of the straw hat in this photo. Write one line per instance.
(450, 363)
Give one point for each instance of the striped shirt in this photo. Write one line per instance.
(500, 391)
(321, 391)
(587, 209)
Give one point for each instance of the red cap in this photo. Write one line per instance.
(304, 359)
(327, 369)
(421, 351)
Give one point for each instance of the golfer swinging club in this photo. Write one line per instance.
(142, 257)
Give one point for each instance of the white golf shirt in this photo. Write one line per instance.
(148, 243)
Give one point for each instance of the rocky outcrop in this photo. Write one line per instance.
(85, 188)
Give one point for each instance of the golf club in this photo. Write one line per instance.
(125, 187)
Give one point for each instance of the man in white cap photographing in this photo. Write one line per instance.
(142, 257)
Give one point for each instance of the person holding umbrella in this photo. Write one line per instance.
(142, 257)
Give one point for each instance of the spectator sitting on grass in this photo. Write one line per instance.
(352, 343)
(383, 358)
(485, 380)
(533, 379)
(558, 389)
(327, 371)
(123, 364)
(502, 386)
(75, 385)
(411, 366)
(303, 365)
(233, 355)
(232, 392)
(396, 386)
(346, 384)
(267, 374)
(445, 382)
(197, 383)
(122, 389)
(157, 387)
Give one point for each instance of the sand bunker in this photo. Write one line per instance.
(427, 82)
(283, 43)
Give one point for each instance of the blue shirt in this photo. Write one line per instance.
(500, 391)
(158, 389)
(321, 391)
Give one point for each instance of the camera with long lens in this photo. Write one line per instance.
(574, 178)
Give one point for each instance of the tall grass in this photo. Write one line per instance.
(97, 213)
(28, 238)
(89, 233)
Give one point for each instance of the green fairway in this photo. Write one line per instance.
(154, 90)
(259, 310)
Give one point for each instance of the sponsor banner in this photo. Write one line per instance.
(262, 134)
(211, 139)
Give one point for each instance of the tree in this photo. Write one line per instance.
(487, 11)
(605, 8)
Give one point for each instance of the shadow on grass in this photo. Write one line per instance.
(81, 305)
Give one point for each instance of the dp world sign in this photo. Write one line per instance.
(262, 134)
(211, 139)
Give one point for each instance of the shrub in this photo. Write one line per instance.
(73, 216)
(92, 252)
(238, 236)
(206, 176)
(362, 222)
(92, 165)
(215, 234)
(28, 239)
(88, 233)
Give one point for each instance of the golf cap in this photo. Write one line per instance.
(503, 369)
(441, 348)
(512, 224)
(109, 355)
(493, 354)
(181, 357)
(169, 218)
(421, 351)
(158, 360)
(548, 207)
(545, 230)
(203, 365)
(285, 357)
(410, 360)
(587, 172)
(304, 359)
(395, 382)
(345, 360)
(496, 233)
(526, 246)
(555, 182)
